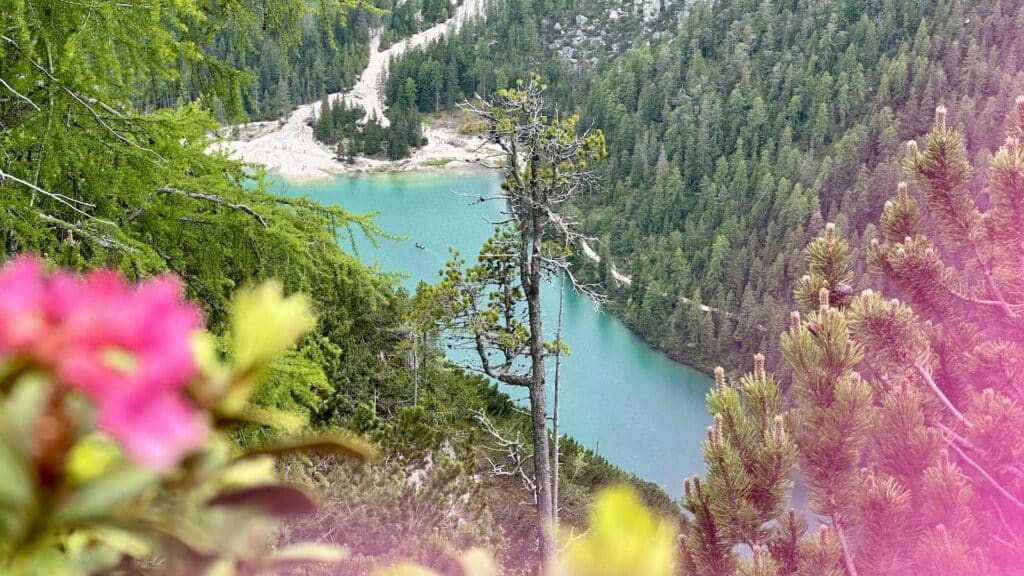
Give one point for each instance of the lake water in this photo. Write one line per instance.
(628, 402)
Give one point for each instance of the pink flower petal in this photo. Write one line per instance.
(157, 432)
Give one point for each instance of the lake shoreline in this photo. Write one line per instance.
(447, 150)
(622, 398)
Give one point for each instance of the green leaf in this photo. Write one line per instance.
(91, 457)
(16, 490)
(16, 487)
(273, 499)
(105, 497)
(24, 404)
(249, 472)
(277, 419)
(118, 541)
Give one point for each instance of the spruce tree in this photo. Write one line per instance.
(323, 123)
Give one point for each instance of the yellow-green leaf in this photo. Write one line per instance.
(323, 445)
(265, 323)
(478, 562)
(91, 457)
(104, 497)
(405, 570)
(307, 553)
(625, 539)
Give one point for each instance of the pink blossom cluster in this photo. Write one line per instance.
(128, 349)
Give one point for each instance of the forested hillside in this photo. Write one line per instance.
(758, 122)
(736, 129)
(561, 40)
(292, 55)
(273, 58)
(91, 178)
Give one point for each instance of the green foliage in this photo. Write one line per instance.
(742, 501)
(899, 432)
(735, 134)
(110, 169)
(91, 181)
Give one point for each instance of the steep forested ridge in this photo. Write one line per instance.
(736, 140)
(294, 57)
(736, 129)
(563, 41)
(406, 17)
(285, 54)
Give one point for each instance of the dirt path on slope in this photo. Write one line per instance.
(289, 149)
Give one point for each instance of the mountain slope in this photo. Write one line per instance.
(736, 129)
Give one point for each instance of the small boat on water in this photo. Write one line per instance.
(421, 246)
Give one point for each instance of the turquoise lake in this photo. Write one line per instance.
(628, 402)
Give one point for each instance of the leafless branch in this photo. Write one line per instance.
(513, 452)
(206, 197)
(20, 95)
(101, 240)
(62, 199)
(984, 474)
(938, 392)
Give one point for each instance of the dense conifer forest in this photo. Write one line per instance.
(736, 130)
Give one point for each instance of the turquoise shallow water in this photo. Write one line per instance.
(640, 410)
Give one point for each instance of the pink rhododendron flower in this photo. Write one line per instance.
(23, 319)
(127, 348)
(155, 432)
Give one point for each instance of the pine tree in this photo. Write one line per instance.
(906, 415)
(741, 502)
(494, 308)
(939, 486)
(833, 402)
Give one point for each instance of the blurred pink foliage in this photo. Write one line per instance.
(127, 348)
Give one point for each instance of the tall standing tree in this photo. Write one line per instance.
(496, 304)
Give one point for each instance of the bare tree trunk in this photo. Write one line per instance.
(851, 568)
(554, 416)
(415, 369)
(530, 235)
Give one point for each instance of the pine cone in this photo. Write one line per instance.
(814, 328)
